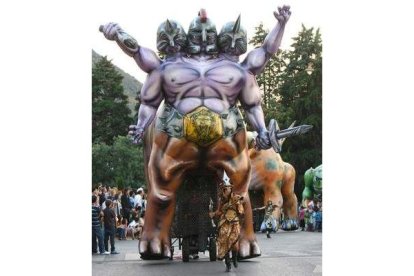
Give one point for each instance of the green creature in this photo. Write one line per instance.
(313, 185)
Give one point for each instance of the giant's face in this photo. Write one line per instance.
(232, 39)
(171, 37)
(202, 37)
(317, 180)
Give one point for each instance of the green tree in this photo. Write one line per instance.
(290, 93)
(110, 113)
(300, 93)
(128, 160)
(102, 167)
(120, 164)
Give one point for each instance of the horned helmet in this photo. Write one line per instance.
(233, 38)
(225, 182)
(171, 37)
(202, 35)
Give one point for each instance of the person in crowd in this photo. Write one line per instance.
(144, 202)
(117, 205)
(132, 198)
(126, 205)
(319, 204)
(102, 197)
(103, 206)
(95, 191)
(302, 218)
(318, 219)
(121, 226)
(136, 213)
(138, 198)
(106, 192)
(109, 194)
(269, 223)
(135, 228)
(230, 210)
(309, 218)
(110, 226)
(96, 228)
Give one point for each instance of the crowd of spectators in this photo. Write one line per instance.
(116, 214)
(310, 217)
(120, 214)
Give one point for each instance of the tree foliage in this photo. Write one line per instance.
(120, 164)
(110, 113)
(301, 95)
(115, 160)
(295, 95)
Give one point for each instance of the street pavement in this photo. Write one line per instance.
(286, 253)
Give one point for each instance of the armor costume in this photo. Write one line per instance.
(230, 210)
(269, 223)
(229, 225)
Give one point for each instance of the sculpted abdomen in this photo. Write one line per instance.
(187, 105)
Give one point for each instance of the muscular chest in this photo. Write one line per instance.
(223, 76)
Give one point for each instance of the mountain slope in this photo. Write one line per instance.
(131, 85)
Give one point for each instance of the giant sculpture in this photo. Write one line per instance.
(199, 126)
(277, 180)
(313, 185)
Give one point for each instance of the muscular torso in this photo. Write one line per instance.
(188, 83)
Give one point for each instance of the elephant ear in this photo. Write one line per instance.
(283, 139)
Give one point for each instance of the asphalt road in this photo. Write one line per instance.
(286, 253)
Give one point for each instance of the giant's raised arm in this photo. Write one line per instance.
(146, 59)
(251, 101)
(150, 98)
(257, 59)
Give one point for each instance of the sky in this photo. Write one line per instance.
(142, 22)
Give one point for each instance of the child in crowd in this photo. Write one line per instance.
(121, 226)
(302, 218)
(309, 219)
(318, 219)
